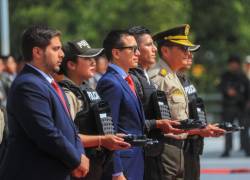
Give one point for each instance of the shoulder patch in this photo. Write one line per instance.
(177, 92)
(163, 72)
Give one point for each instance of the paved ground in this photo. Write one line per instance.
(211, 159)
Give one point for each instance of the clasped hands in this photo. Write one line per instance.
(83, 169)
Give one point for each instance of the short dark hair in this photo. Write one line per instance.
(113, 40)
(160, 44)
(36, 36)
(138, 31)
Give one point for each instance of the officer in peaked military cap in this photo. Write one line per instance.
(178, 36)
(174, 49)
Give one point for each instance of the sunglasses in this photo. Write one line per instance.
(133, 48)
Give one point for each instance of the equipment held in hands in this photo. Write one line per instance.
(196, 108)
(139, 140)
(160, 105)
(197, 116)
(230, 127)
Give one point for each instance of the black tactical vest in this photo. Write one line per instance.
(195, 144)
(94, 118)
(154, 101)
(195, 103)
(155, 107)
(144, 90)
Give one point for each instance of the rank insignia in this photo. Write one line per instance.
(187, 30)
(163, 72)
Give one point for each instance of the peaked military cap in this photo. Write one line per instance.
(177, 35)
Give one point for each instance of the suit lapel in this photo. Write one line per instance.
(59, 101)
(124, 85)
(29, 69)
(129, 91)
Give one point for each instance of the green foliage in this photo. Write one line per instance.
(221, 27)
(92, 19)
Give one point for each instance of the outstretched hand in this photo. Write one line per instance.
(211, 130)
(216, 130)
(167, 126)
(114, 142)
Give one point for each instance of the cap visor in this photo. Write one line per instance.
(91, 52)
(194, 48)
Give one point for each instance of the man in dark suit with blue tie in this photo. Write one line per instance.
(116, 87)
(43, 141)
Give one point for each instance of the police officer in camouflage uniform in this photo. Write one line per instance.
(78, 66)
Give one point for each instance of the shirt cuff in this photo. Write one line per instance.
(117, 174)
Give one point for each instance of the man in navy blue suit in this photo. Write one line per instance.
(43, 141)
(117, 89)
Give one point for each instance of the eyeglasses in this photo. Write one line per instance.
(184, 48)
(133, 48)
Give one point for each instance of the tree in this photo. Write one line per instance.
(221, 29)
(93, 19)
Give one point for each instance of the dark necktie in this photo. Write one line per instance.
(130, 83)
(60, 94)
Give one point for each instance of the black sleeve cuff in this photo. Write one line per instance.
(150, 124)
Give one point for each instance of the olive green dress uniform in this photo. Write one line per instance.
(171, 159)
(166, 80)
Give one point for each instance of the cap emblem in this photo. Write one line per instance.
(187, 30)
(83, 43)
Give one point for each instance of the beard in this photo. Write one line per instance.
(49, 66)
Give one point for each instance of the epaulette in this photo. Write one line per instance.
(163, 72)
